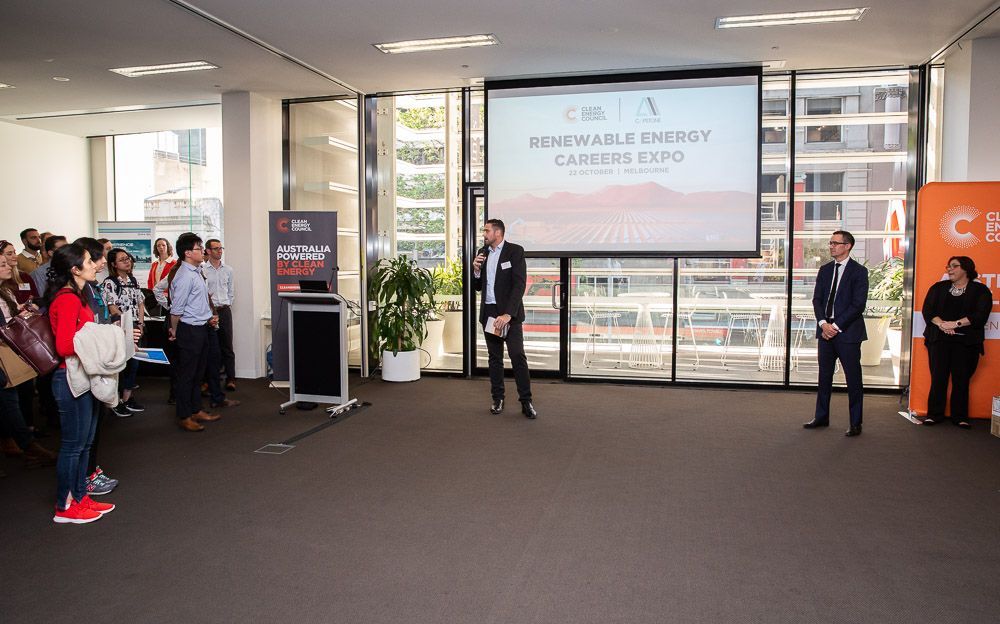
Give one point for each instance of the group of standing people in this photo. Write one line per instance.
(88, 286)
(955, 313)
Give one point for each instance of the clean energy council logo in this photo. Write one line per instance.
(574, 113)
(950, 226)
(285, 225)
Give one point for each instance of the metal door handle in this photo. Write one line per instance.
(557, 304)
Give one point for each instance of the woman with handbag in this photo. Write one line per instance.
(17, 437)
(70, 271)
(22, 288)
(122, 294)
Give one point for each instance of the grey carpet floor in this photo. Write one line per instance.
(619, 504)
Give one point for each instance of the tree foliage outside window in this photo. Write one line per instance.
(420, 220)
(421, 186)
(421, 153)
(422, 118)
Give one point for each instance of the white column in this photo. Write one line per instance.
(251, 152)
(972, 113)
(102, 179)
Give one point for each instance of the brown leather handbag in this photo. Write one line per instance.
(31, 338)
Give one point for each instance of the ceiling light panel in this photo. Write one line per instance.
(790, 19)
(441, 43)
(169, 68)
(4, 85)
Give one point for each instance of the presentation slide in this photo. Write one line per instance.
(669, 166)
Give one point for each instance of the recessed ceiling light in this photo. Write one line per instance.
(4, 85)
(60, 78)
(441, 43)
(787, 19)
(169, 68)
(774, 64)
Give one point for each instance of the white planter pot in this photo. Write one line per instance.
(871, 349)
(453, 332)
(432, 343)
(404, 366)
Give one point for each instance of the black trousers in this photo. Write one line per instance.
(849, 354)
(192, 356)
(518, 359)
(955, 360)
(226, 341)
(212, 363)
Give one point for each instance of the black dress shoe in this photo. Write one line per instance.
(497, 406)
(853, 431)
(815, 424)
(529, 410)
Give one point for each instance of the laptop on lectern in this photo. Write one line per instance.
(313, 286)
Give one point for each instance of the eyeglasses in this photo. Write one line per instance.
(834, 243)
(220, 248)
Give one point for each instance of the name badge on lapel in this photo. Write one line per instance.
(505, 265)
(27, 286)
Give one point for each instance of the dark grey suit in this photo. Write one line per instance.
(508, 290)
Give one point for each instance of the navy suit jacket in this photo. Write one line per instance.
(509, 285)
(848, 306)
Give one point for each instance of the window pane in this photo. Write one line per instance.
(323, 158)
(173, 179)
(857, 184)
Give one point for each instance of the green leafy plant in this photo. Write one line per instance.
(404, 297)
(448, 281)
(421, 154)
(422, 118)
(885, 281)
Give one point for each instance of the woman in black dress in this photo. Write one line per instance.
(956, 311)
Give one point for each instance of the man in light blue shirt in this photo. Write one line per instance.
(190, 316)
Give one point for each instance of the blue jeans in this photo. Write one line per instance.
(11, 420)
(78, 418)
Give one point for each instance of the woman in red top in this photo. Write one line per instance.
(162, 265)
(20, 284)
(70, 270)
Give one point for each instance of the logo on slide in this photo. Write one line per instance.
(282, 225)
(648, 108)
(950, 222)
(570, 114)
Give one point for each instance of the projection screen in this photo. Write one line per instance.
(623, 166)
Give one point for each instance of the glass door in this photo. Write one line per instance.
(545, 307)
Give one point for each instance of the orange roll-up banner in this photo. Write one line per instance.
(957, 219)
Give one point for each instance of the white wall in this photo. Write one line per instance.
(251, 146)
(44, 183)
(971, 113)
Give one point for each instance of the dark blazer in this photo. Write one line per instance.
(849, 305)
(509, 286)
(977, 303)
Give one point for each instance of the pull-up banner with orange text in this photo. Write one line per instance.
(957, 219)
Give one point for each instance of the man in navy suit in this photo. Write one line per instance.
(502, 281)
(839, 303)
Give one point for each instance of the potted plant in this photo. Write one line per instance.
(403, 294)
(882, 317)
(448, 282)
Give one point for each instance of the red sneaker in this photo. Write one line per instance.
(75, 514)
(92, 505)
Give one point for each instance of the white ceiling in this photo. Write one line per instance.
(40, 39)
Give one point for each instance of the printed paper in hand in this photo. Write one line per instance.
(491, 328)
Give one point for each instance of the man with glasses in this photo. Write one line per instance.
(220, 289)
(190, 313)
(839, 303)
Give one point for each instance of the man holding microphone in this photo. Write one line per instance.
(502, 282)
